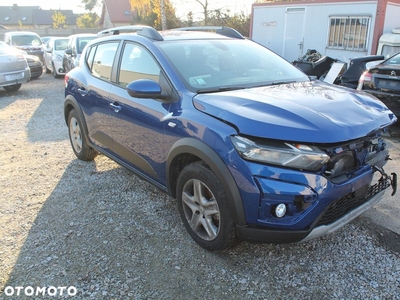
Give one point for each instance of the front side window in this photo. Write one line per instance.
(100, 59)
(348, 33)
(137, 63)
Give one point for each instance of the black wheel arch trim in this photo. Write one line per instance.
(212, 159)
(71, 101)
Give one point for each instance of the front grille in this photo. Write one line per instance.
(344, 205)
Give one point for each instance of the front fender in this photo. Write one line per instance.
(211, 158)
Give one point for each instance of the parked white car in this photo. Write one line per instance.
(53, 55)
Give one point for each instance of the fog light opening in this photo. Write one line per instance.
(280, 210)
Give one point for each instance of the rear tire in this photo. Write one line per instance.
(12, 88)
(204, 209)
(78, 139)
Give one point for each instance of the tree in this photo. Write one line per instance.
(90, 4)
(148, 12)
(88, 20)
(59, 20)
(239, 22)
(205, 10)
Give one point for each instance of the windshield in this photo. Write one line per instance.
(213, 65)
(61, 44)
(82, 42)
(394, 60)
(26, 40)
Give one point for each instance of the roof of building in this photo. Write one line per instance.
(118, 10)
(13, 15)
(44, 17)
(31, 15)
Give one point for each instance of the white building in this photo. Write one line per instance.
(340, 29)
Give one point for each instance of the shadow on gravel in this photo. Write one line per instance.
(51, 92)
(112, 236)
(7, 98)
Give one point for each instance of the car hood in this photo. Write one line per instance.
(304, 112)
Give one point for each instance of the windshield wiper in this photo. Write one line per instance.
(220, 89)
(282, 82)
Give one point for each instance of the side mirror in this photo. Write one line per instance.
(146, 88)
(68, 51)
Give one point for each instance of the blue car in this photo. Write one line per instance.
(247, 144)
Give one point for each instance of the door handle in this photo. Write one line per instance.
(82, 91)
(115, 107)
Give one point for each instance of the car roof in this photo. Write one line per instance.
(202, 32)
(81, 34)
(21, 33)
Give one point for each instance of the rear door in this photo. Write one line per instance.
(94, 95)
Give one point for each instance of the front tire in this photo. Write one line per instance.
(55, 75)
(203, 207)
(77, 138)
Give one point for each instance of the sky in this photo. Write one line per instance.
(182, 6)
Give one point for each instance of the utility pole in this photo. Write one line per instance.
(163, 16)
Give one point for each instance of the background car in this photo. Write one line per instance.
(27, 41)
(14, 68)
(35, 65)
(383, 81)
(249, 146)
(53, 55)
(76, 43)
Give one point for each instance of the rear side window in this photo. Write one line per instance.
(100, 59)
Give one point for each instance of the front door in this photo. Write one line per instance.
(138, 124)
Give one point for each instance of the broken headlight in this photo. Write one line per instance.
(289, 155)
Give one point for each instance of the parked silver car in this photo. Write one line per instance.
(53, 55)
(14, 69)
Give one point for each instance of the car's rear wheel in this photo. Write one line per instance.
(12, 88)
(203, 207)
(77, 138)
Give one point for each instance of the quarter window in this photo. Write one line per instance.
(349, 33)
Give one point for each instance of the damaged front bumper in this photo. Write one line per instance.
(375, 194)
(336, 215)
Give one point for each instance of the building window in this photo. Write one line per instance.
(349, 33)
(126, 13)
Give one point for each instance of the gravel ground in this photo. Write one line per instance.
(101, 232)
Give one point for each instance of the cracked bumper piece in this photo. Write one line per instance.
(321, 225)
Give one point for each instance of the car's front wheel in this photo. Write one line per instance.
(77, 138)
(12, 88)
(203, 207)
(55, 75)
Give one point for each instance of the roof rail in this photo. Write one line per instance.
(142, 30)
(223, 30)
